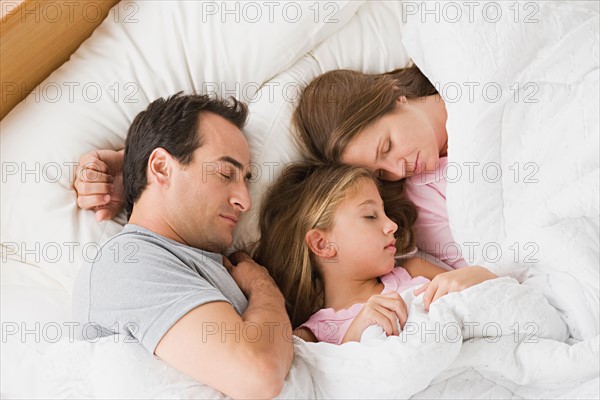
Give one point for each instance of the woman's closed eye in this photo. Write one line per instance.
(388, 146)
(371, 217)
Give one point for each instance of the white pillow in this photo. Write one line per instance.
(370, 42)
(142, 51)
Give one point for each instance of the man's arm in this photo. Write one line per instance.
(244, 356)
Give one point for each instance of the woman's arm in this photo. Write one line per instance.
(453, 281)
(99, 183)
(305, 334)
(443, 281)
(416, 266)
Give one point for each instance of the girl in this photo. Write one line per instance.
(393, 124)
(332, 252)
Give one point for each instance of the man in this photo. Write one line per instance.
(162, 279)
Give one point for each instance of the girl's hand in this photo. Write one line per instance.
(453, 281)
(99, 183)
(381, 309)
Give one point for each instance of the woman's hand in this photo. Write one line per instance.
(381, 309)
(99, 183)
(453, 281)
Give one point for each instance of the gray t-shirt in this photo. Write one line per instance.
(140, 284)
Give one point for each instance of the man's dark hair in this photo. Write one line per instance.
(172, 124)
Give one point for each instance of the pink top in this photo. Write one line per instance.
(428, 191)
(330, 326)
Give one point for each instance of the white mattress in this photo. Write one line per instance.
(167, 50)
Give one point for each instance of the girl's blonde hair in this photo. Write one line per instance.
(305, 197)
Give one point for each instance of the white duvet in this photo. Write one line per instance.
(538, 222)
(524, 145)
(504, 331)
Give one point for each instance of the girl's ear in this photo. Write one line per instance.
(320, 246)
(401, 100)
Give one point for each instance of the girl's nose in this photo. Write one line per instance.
(390, 226)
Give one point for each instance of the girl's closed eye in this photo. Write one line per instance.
(371, 217)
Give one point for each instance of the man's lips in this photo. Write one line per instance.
(233, 219)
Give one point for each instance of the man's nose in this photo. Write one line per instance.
(241, 197)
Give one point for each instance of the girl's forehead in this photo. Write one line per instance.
(362, 191)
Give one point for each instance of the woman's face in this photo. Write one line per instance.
(400, 144)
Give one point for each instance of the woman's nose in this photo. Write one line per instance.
(395, 170)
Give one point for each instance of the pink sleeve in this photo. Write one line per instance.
(330, 326)
(432, 227)
(329, 331)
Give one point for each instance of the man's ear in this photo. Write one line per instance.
(160, 167)
(319, 244)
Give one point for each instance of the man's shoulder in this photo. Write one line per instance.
(135, 245)
(125, 248)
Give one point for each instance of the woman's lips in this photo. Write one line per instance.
(417, 166)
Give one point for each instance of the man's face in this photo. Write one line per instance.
(207, 196)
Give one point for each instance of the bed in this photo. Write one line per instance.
(521, 84)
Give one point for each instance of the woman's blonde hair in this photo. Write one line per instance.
(305, 197)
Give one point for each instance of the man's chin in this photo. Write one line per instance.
(217, 245)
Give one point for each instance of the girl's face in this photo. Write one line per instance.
(362, 235)
(400, 144)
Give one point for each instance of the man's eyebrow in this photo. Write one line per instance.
(238, 165)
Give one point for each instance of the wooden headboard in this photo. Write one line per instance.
(37, 37)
